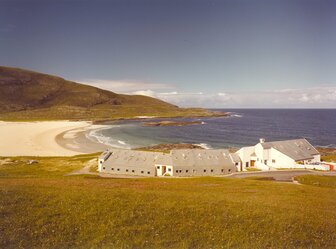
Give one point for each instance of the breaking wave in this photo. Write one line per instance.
(97, 136)
(204, 146)
(234, 114)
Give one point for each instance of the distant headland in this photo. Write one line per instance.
(31, 96)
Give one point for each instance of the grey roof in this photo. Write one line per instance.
(133, 158)
(177, 158)
(105, 155)
(200, 158)
(297, 149)
(235, 157)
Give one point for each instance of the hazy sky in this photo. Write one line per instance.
(228, 53)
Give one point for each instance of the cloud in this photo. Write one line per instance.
(323, 97)
(149, 93)
(125, 86)
(314, 97)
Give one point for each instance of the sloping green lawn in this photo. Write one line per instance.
(45, 209)
(321, 181)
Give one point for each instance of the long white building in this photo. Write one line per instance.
(195, 162)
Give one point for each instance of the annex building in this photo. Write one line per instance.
(296, 153)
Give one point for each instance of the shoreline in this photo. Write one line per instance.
(53, 138)
(46, 138)
(79, 142)
(63, 138)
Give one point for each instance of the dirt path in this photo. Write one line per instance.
(86, 169)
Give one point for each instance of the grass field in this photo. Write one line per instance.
(41, 208)
(322, 181)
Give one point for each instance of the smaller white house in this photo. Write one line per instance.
(292, 154)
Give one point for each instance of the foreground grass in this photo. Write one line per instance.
(44, 209)
(322, 181)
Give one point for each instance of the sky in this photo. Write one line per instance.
(209, 53)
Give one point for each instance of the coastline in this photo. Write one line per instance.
(52, 138)
(68, 138)
(76, 140)
(211, 114)
(46, 138)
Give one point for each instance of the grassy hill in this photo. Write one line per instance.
(42, 208)
(28, 95)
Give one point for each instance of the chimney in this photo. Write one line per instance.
(262, 140)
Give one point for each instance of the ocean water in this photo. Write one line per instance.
(244, 127)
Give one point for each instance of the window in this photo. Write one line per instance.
(126, 170)
(273, 160)
(133, 170)
(169, 169)
(247, 164)
(177, 171)
(142, 172)
(266, 162)
(158, 167)
(237, 164)
(118, 169)
(204, 170)
(222, 170)
(229, 170)
(212, 170)
(112, 168)
(103, 167)
(187, 171)
(180, 170)
(148, 172)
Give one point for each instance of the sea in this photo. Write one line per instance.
(243, 127)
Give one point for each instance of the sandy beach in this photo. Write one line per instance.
(51, 138)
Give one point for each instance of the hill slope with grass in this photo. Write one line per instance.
(28, 95)
(40, 207)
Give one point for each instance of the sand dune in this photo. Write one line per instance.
(36, 138)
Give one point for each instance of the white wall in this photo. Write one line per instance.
(281, 160)
(100, 164)
(238, 166)
(316, 167)
(262, 155)
(169, 169)
(244, 154)
(317, 158)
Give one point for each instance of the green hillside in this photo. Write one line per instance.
(28, 95)
(42, 208)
